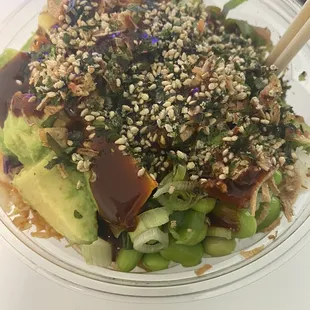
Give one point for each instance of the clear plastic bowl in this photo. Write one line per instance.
(177, 284)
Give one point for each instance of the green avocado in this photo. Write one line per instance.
(23, 140)
(70, 211)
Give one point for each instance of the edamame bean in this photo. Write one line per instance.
(273, 213)
(217, 247)
(278, 177)
(191, 229)
(154, 262)
(127, 260)
(185, 255)
(205, 205)
(247, 225)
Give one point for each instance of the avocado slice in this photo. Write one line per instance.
(23, 140)
(71, 212)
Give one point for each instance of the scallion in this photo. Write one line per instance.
(140, 243)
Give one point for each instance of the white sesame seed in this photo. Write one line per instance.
(290, 167)
(118, 82)
(234, 138)
(255, 119)
(282, 160)
(120, 141)
(153, 87)
(90, 128)
(122, 148)
(222, 177)
(213, 86)
(264, 121)
(141, 172)
(225, 152)
(69, 142)
(171, 189)
(180, 98)
(168, 128)
(19, 82)
(190, 165)
(181, 155)
(145, 111)
(134, 129)
(194, 177)
(80, 165)
(131, 88)
(89, 118)
(100, 118)
(227, 139)
(84, 112)
(145, 97)
(92, 136)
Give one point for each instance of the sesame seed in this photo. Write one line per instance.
(227, 139)
(84, 112)
(153, 87)
(100, 118)
(180, 98)
(80, 165)
(118, 83)
(69, 142)
(120, 141)
(234, 138)
(264, 121)
(122, 148)
(145, 111)
(90, 128)
(145, 97)
(181, 155)
(255, 119)
(92, 136)
(141, 172)
(134, 129)
(282, 161)
(290, 167)
(171, 189)
(168, 128)
(19, 82)
(131, 88)
(190, 165)
(222, 177)
(225, 152)
(89, 118)
(194, 177)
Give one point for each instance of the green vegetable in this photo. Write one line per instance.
(219, 246)
(247, 225)
(219, 232)
(98, 253)
(273, 213)
(178, 201)
(190, 229)
(127, 260)
(151, 241)
(298, 133)
(71, 212)
(150, 219)
(259, 36)
(302, 76)
(185, 255)
(278, 177)
(24, 140)
(230, 5)
(154, 262)
(177, 186)
(241, 222)
(205, 205)
(175, 179)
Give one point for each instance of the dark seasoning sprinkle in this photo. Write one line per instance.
(166, 87)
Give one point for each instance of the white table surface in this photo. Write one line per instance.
(21, 288)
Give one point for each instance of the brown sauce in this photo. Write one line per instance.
(15, 70)
(237, 192)
(119, 192)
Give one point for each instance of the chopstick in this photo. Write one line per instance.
(285, 50)
(302, 37)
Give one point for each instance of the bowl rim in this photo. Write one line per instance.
(61, 273)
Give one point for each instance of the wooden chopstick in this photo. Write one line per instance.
(302, 37)
(291, 32)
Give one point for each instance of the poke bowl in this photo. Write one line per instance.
(148, 150)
